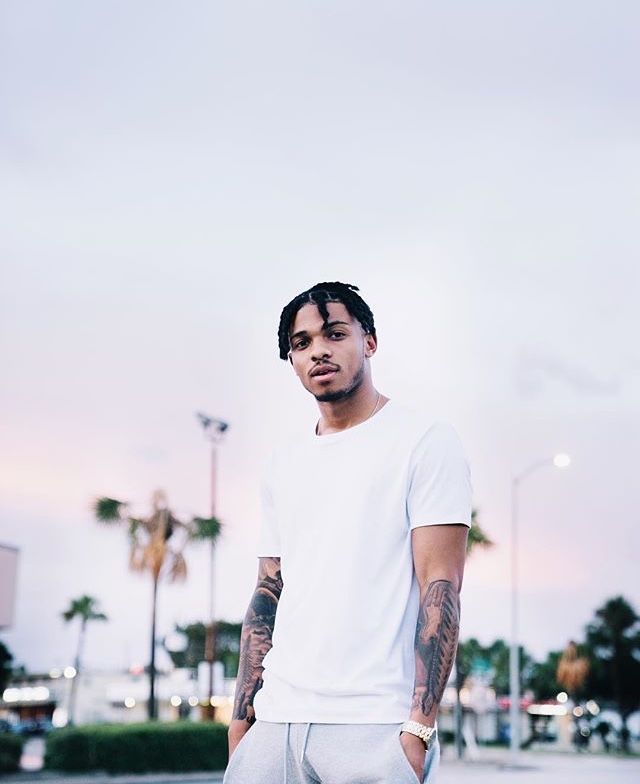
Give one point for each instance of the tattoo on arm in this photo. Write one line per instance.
(435, 643)
(256, 638)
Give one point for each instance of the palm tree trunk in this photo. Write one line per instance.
(151, 705)
(76, 665)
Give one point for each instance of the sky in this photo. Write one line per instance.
(173, 173)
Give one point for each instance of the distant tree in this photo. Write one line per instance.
(193, 653)
(6, 657)
(542, 680)
(86, 609)
(469, 653)
(496, 657)
(156, 545)
(614, 641)
(227, 646)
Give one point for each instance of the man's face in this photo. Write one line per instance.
(329, 359)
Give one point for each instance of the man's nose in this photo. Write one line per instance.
(320, 350)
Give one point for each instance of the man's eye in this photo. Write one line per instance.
(337, 334)
(299, 344)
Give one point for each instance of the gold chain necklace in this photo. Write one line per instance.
(375, 408)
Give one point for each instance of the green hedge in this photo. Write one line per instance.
(10, 752)
(138, 748)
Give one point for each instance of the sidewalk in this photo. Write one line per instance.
(493, 766)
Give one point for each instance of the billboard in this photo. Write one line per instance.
(8, 573)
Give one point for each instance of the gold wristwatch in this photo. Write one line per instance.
(426, 734)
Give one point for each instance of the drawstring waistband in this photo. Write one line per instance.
(304, 742)
(286, 749)
(287, 734)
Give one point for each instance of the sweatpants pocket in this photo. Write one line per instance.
(405, 761)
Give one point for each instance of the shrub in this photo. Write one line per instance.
(10, 752)
(138, 748)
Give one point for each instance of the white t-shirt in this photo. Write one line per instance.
(338, 510)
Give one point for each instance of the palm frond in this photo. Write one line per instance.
(84, 607)
(137, 560)
(178, 569)
(477, 537)
(108, 510)
(134, 527)
(205, 528)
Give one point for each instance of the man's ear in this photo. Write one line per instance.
(370, 345)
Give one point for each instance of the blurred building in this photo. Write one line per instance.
(8, 577)
(110, 697)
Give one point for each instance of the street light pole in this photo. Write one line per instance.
(213, 430)
(210, 641)
(559, 461)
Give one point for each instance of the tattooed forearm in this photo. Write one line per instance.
(435, 643)
(256, 638)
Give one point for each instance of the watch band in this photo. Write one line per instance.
(426, 734)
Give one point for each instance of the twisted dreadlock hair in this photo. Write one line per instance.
(319, 295)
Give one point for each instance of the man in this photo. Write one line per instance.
(351, 632)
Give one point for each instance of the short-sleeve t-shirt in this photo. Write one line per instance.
(338, 510)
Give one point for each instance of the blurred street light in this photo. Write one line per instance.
(560, 460)
(214, 430)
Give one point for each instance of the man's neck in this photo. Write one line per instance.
(343, 414)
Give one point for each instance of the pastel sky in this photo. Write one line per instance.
(173, 173)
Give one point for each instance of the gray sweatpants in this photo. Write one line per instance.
(290, 753)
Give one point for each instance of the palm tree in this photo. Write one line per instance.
(477, 538)
(156, 545)
(207, 529)
(572, 670)
(614, 640)
(86, 609)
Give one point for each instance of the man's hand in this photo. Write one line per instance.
(415, 752)
(238, 728)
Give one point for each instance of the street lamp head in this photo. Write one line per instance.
(561, 460)
(205, 420)
(211, 424)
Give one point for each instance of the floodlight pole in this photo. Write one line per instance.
(213, 430)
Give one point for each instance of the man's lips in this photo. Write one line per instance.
(324, 370)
